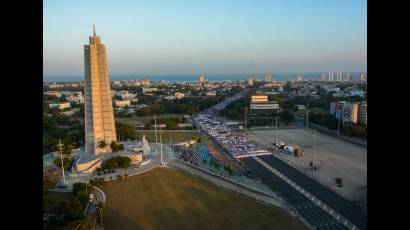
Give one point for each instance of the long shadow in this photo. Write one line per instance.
(117, 221)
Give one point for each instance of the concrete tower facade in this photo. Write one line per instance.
(99, 116)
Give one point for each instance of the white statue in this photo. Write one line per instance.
(145, 146)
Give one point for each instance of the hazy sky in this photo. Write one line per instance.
(211, 37)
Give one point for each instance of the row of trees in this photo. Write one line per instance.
(72, 133)
(190, 105)
(70, 212)
(329, 121)
(170, 122)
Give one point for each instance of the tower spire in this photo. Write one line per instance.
(94, 30)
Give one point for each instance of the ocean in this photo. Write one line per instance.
(191, 78)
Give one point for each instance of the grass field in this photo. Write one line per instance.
(138, 120)
(167, 198)
(176, 136)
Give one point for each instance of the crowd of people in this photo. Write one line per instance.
(235, 143)
(186, 154)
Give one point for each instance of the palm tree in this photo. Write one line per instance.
(102, 144)
(115, 147)
(68, 149)
(120, 147)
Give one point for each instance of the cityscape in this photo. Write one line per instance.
(260, 149)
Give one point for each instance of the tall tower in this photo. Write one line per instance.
(99, 116)
(202, 78)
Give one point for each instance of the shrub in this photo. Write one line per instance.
(68, 163)
(121, 162)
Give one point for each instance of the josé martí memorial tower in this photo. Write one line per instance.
(99, 116)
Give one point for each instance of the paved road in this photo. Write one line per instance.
(309, 210)
(348, 209)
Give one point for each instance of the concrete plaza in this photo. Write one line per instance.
(335, 158)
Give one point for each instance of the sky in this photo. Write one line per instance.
(159, 37)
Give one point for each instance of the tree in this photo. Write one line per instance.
(67, 149)
(116, 147)
(68, 163)
(102, 144)
(286, 116)
(125, 130)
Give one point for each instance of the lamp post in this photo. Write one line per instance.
(276, 134)
(62, 161)
(160, 140)
(246, 117)
(155, 127)
(314, 152)
(307, 115)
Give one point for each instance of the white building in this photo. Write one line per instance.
(76, 97)
(53, 94)
(59, 105)
(331, 89)
(179, 95)
(68, 113)
(359, 93)
(122, 103)
(138, 82)
(301, 107)
(124, 94)
(149, 90)
(211, 94)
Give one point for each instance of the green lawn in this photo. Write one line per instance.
(139, 120)
(176, 136)
(166, 198)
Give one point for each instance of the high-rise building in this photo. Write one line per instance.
(99, 116)
(363, 113)
(330, 76)
(268, 77)
(339, 76)
(323, 77)
(299, 78)
(362, 77)
(202, 78)
(250, 81)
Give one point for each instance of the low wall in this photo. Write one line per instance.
(228, 180)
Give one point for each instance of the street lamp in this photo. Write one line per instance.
(276, 134)
(155, 127)
(314, 151)
(62, 162)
